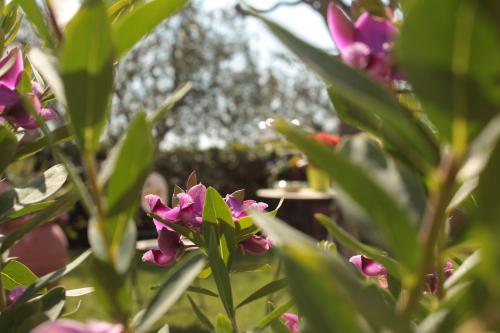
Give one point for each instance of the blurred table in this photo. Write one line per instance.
(299, 207)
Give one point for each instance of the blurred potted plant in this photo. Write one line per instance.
(318, 179)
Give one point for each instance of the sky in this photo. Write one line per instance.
(299, 19)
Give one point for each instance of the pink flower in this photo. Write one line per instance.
(188, 213)
(15, 294)
(256, 244)
(291, 321)
(71, 326)
(11, 104)
(365, 44)
(368, 266)
(169, 245)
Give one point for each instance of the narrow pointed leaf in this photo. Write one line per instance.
(176, 282)
(139, 22)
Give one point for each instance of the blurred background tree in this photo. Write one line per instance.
(234, 86)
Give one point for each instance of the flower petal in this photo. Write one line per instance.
(11, 78)
(356, 55)
(157, 257)
(368, 266)
(8, 97)
(198, 194)
(158, 207)
(341, 28)
(169, 242)
(255, 244)
(235, 205)
(291, 321)
(374, 32)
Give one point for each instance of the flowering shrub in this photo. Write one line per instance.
(425, 94)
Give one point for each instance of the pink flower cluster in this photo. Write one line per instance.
(11, 104)
(188, 213)
(365, 44)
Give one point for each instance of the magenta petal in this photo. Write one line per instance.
(198, 194)
(21, 117)
(11, 78)
(157, 257)
(341, 28)
(8, 97)
(61, 326)
(14, 294)
(158, 207)
(368, 266)
(374, 32)
(255, 244)
(235, 205)
(356, 55)
(185, 200)
(95, 326)
(71, 326)
(169, 242)
(291, 321)
(252, 204)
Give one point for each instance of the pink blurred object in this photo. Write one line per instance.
(43, 250)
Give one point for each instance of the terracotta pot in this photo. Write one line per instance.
(43, 250)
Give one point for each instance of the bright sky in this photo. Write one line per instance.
(300, 19)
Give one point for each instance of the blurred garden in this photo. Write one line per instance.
(285, 166)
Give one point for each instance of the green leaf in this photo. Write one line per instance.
(405, 187)
(202, 317)
(202, 291)
(8, 142)
(30, 148)
(365, 94)
(129, 29)
(50, 278)
(274, 315)
(23, 317)
(16, 274)
(453, 65)
(123, 191)
(392, 219)
(112, 290)
(353, 244)
(332, 285)
(219, 269)
(223, 324)
(171, 101)
(375, 7)
(264, 291)
(86, 66)
(217, 212)
(177, 280)
(53, 302)
(22, 197)
(37, 19)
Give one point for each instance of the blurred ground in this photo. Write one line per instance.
(181, 317)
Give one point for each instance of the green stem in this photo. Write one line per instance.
(95, 191)
(433, 221)
(3, 302)
(59, 156)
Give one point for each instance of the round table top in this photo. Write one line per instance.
(300, 194)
